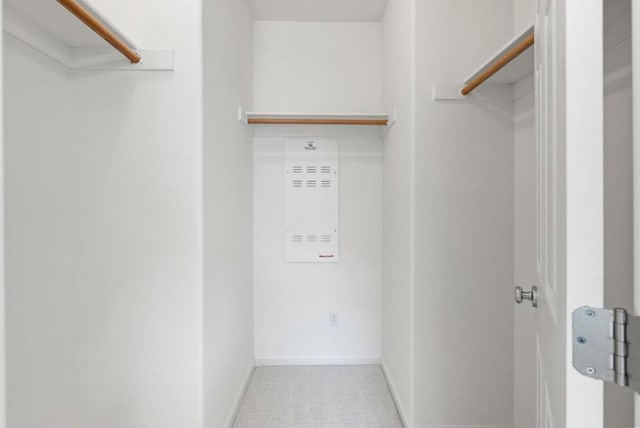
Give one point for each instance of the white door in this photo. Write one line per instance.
(569, 108)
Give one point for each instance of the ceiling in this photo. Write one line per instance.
(319, 10)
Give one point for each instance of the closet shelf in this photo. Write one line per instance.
(96, 22)
(75, 34)
(252, 118)
(509, 64)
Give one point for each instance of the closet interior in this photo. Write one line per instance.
(194, 189)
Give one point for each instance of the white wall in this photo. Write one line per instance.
(317, 67)
(524, 14)
(228, 194)
(293, 300)
(618, 185)
(38, 173)
(328, 68)
(398, 205)
(109, 322)
(464, 223)
(137, 299)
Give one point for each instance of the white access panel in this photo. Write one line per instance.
(312, 200)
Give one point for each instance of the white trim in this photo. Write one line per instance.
(292, 115)
(394, 396)
(80, 58)
(411, 411)
(3, 395)
(108, 59)
(635, 71)
(583, 109)
(318, 361)
(487, 93)
(240, 399)
(446, 91)
(463, 426)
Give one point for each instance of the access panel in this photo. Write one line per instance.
(312, 200)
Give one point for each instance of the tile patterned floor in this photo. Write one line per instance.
(318, 397)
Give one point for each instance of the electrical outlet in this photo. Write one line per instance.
(334, 320)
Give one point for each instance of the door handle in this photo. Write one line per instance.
(520, 295)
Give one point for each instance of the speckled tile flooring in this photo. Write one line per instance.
(318, 397)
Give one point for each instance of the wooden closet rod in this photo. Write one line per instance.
(499, 64)
(296, 121)
(90, 21)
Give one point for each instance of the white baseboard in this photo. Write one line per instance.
(463, 426)
(345, 361)
(394, 395)
(234, 415)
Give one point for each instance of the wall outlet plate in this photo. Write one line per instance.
(334, 320)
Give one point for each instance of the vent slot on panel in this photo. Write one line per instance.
(325, 238)
(325, 169)
(312, 183)
(296, 183)
(297, 169)
(312, 169)
(296, 238)
(325, 183)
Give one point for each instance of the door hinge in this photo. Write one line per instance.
(606, 345)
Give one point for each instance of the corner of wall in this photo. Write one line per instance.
(399, 62)
(240, 396)
(396, 399)
(227, 156)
